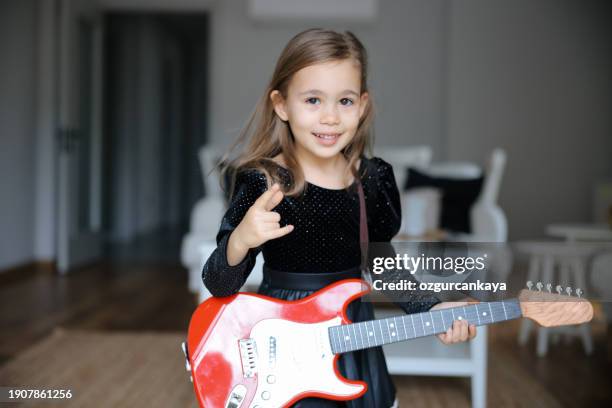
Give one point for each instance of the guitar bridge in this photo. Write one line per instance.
(248, 356)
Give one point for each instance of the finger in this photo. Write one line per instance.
(449, 335)
(451, 332)
(464, 331)
(472, 331)
(270, 226)
(279, 232)
(456, 331)
(265, 197)
(445, 337)
(274, 200)
(270, 216)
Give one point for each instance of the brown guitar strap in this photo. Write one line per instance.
(363, 230)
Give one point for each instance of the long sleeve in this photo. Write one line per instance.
(384, 221)
(219, 277)
(382, 202)
(420, 301)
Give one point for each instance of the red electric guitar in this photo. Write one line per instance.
(248, 350)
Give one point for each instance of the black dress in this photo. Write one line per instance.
(325, 239)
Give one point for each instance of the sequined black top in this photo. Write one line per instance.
(325, 237)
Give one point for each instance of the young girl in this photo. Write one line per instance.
(294, 195)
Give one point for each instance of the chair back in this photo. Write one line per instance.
(208, 156)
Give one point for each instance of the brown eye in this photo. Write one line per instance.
(346, 101)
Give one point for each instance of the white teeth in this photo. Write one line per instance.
(327, 137)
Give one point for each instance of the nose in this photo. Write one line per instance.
(330, 116)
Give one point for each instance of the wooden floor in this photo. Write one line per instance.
(142, 295)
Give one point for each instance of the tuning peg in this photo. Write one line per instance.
(579, 292)
(549, 287)
(568, 290)
(539, 286)
(529, 285)
(559, 289)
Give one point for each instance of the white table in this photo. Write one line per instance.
(580, 231)
(563, 263)
(601, 262)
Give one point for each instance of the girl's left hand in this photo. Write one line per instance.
(460, 331)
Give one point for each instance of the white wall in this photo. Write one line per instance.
(17, 113)
(45, 139)
(534, 77)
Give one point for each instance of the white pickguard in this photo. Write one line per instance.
(303, 362)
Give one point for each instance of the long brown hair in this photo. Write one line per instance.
(267, 135)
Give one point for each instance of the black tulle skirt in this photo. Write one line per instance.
(367, 365)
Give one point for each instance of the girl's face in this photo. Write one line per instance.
(323, 107)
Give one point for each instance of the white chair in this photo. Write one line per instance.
(402, 157)
(427, 356)
(488, 221)
(208, 157)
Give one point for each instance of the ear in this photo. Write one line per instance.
(279, 105)
(365, 99)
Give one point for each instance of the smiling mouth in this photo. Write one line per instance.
(327, 136)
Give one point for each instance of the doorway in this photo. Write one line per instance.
(154, 123)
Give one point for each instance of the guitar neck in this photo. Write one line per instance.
(372, 333)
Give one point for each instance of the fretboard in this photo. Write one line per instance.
(372, 333)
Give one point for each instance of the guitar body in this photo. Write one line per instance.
(248, 350)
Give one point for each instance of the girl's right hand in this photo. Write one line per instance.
(260, 223)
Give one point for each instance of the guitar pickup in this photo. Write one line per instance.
(248, 356)
(236, 397)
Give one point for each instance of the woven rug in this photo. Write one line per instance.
(106, 369)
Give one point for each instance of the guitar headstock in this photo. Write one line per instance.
(550, 309)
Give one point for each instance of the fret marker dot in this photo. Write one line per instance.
(427, 323)
(346, 338)
(484, 313)
(459, 318)
(393, 333)
(391, 325)
(370, 333)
